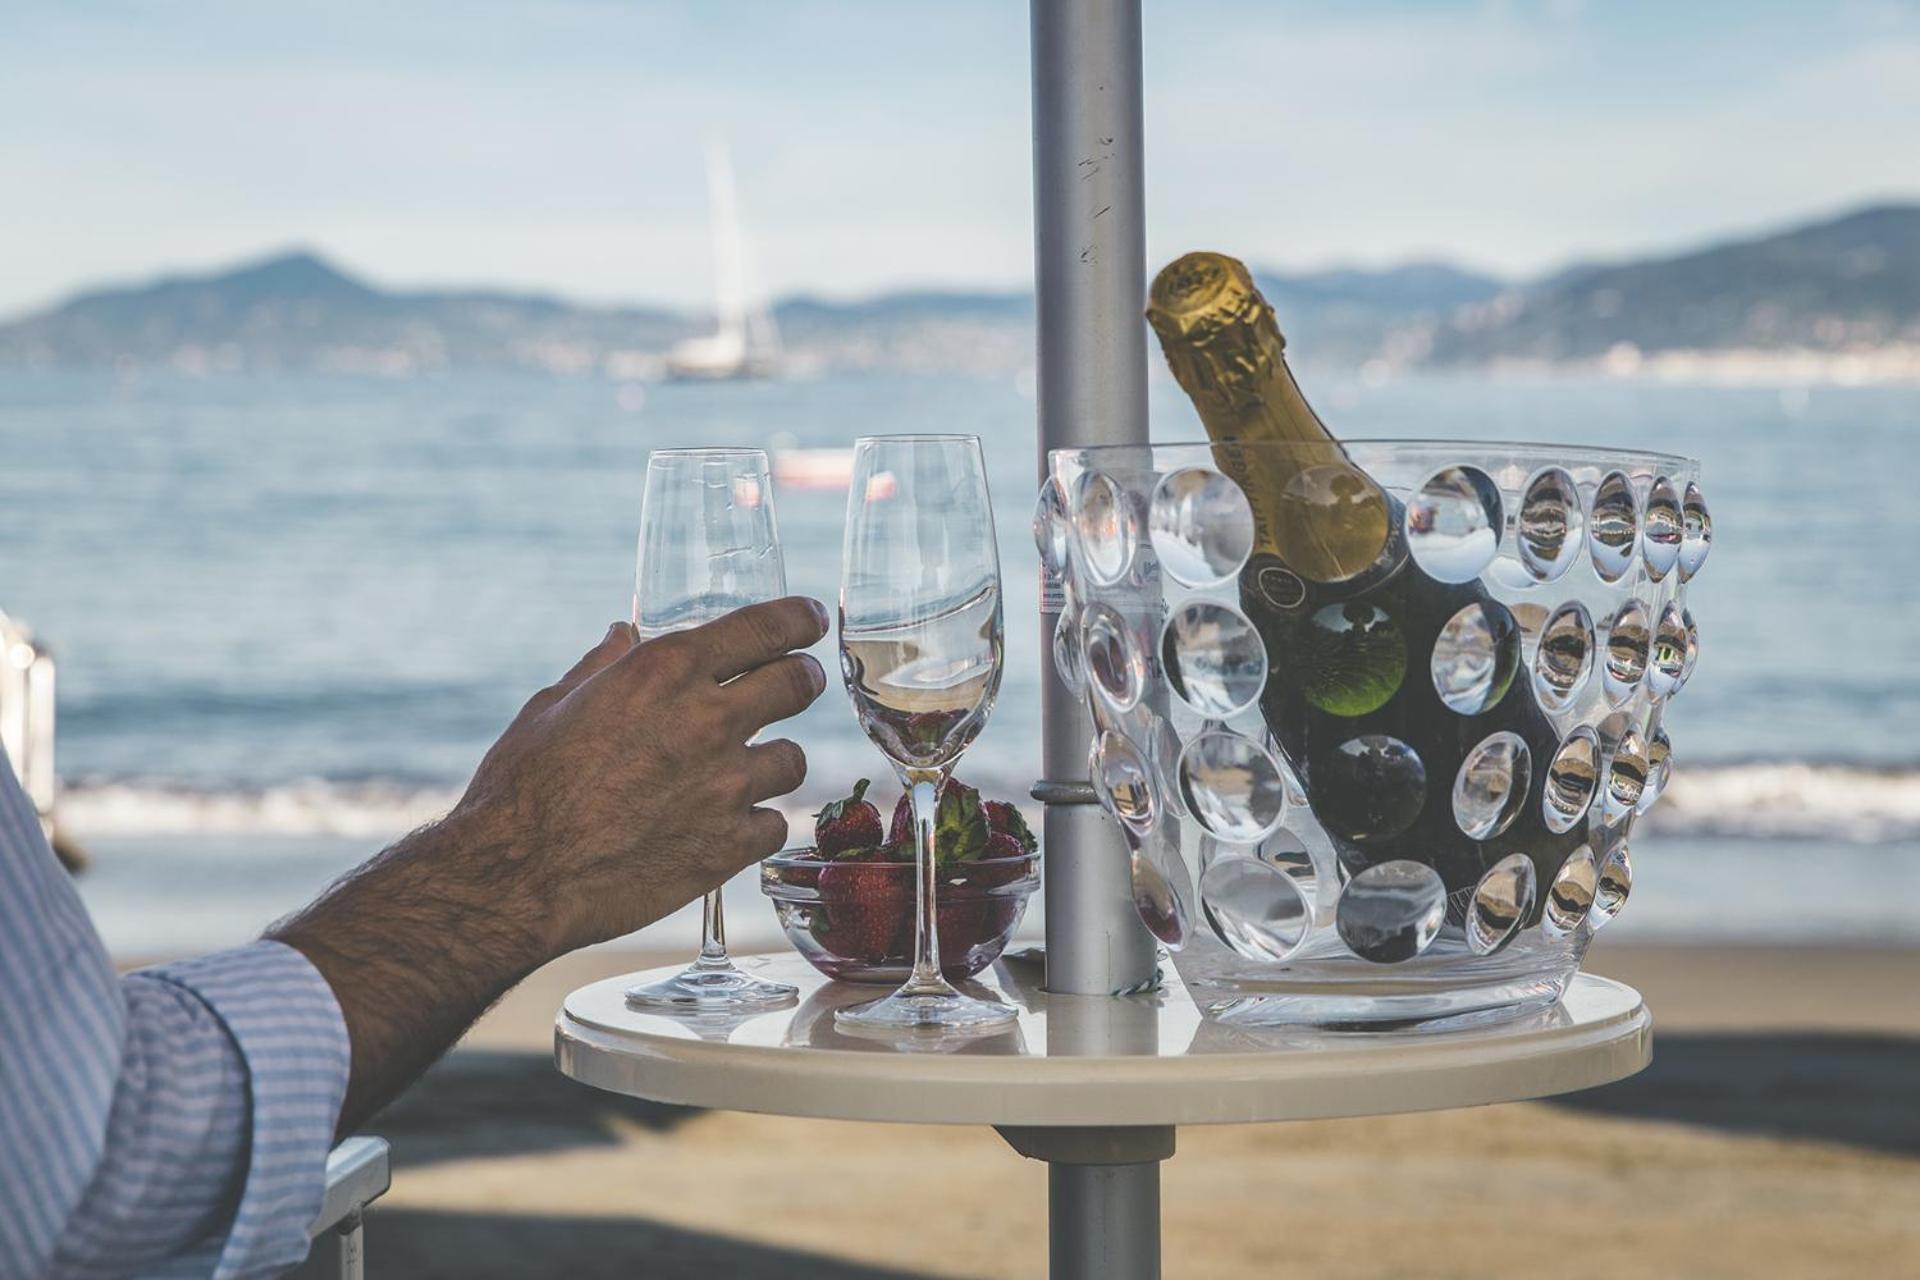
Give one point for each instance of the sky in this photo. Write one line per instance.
(557, 145)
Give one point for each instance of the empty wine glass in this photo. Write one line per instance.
(920, 647)
(708, 546)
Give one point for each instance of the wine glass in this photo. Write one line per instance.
(920, 647)
(708, 546)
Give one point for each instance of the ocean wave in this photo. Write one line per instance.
(376, 808)
(1781, 800)
(303, 807)
(1792, 800)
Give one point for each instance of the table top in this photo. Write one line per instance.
(1085, 1060)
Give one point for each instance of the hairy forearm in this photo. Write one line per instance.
(618, 793)
(416, 945)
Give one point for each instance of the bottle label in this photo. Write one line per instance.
(1053, 593)
(1280, 586)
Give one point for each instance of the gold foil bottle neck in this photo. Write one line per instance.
(1219, 334)
(1315, 511)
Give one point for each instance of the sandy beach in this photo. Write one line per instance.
(1776, 1134)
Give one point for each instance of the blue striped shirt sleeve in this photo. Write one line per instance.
(292, 1041)
(176, 1120)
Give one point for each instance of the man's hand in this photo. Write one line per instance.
(618, 794)
(628, 788)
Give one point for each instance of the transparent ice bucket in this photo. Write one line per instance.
(1376, 720)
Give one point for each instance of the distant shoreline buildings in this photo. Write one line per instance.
(1835, 302)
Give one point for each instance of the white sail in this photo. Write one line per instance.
(745, 344)
(729, 267)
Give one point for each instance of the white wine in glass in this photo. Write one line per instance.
(921, 641)
(708, 545)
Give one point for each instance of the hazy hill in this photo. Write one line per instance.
(1849, 284)
(298, 311)
(1347, 316)
(913, 329)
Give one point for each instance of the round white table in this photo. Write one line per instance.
(1092, 1085)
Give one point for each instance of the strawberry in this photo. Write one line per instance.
(929, 729)
(959, 824)
(862, 907)
(973, 917)
(802, 872)
(960, 828)
(1008, 865)
(865, 913)
(847, 824)
(1004, 844)
(1004, 818)
(962, 923)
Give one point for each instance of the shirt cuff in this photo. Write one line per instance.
(290, 1032)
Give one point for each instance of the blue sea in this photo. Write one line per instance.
(291, 612)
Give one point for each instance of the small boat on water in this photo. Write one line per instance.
(829, 470)
(746, 343)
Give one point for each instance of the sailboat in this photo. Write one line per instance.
(746, 345)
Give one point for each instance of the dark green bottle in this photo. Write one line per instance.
(1349, 618)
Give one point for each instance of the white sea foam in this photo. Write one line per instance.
(1782, 800)
(379, 809)
(305, 807)
(1792, 800)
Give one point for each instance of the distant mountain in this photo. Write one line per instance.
(1839, 288)
(1346, 316)
(297, 311)
(1851, 284)
(913, 329)
(1410, 288)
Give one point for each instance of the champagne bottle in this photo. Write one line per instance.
(1349, 618)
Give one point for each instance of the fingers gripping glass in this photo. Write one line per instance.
(708, 546)
(920, 647)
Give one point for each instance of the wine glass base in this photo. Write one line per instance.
(712, 988)
(936, 1012)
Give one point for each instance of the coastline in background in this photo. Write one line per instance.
(1835, 300)
(291, 612)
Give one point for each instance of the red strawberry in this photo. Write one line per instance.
(929, 729)
(851, 823)
(998, 920)
(1003, 866)
(1004, 818)
(975, 919)
(801, 871)
(1004, 844)
(959, 824)
(962, 924)
(861, 907)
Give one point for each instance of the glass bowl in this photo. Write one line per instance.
(853, 920)
(1375, 722)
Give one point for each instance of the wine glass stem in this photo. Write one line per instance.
(924, 789)
(713, 933)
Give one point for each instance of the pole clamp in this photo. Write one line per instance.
(1047, 791)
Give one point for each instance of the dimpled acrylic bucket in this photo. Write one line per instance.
(1392, 786)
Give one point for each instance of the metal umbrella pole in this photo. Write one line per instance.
(1090, 283)
(1090, 277)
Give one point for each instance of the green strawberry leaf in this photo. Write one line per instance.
(960, 824)
(831, 813)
